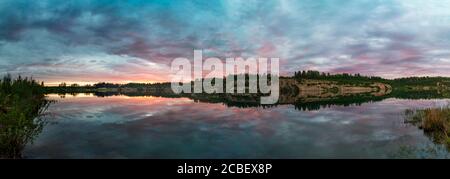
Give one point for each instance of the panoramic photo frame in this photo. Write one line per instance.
(224, 87)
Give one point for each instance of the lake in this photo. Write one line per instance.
(87, 126)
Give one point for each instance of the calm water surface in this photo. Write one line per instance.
(154, 127)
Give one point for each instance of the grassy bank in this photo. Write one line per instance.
(434, 122)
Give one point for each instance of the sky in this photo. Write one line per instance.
(87, 41)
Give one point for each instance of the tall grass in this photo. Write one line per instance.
(435, 123)
(22, 104)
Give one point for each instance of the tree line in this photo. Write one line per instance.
(361, 79)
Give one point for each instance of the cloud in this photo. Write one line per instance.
(117, 40)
